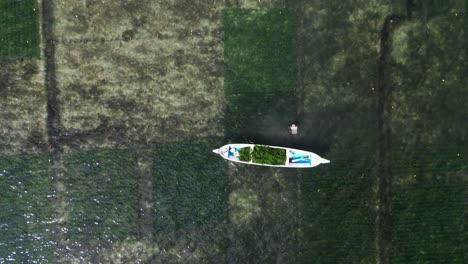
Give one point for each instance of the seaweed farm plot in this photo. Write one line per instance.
(260, 71)
(428, 224)
(139, 71)
(136, 19)
(122, 93)
(429, 55)
(102, 202)
(22, 107)
(433, 164)
(19, 29)
(264, 215)
(190, 201)
(338, 212)
(27, 214)
(338, 49)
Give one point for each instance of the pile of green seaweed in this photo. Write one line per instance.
(263, 155)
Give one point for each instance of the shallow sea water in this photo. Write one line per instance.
(111, 162)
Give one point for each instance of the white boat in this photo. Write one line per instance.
(284, 157)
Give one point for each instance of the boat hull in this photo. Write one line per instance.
(295, 158)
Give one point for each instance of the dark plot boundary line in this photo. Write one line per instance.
(54, 122)
(465, 201)
(52, 91)
(384, 179)
(383, 165)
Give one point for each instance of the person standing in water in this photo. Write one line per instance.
(293, 128)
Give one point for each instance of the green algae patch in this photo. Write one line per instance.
(19, 29)
(27, 197)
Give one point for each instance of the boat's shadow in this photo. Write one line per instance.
(282, 139)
